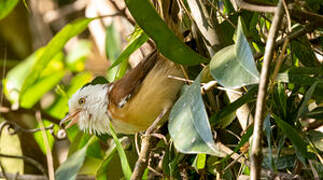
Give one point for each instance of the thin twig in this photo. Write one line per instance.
(253, 7)
(49, 155)
(27, 159)
(256, 154)
(123, 13)
(289, 21)
(280, 60)
(142, 161)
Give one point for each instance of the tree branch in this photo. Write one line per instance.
(256, 154)
(142, 161)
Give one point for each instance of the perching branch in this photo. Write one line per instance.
(256, 154)
(142, 161)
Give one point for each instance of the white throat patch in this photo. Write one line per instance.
(93, 116)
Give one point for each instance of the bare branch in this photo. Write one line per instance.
(142, 161)
(256, 154)
(49, 155)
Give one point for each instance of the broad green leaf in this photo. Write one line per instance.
(112, 50)
(16, 77)
(10, 144)
(234, 66)
(6, 6)
(196, 136)
(55, 46)
(167, 42)
(69, 169)
(298, 142)
(123, 158)
(34, 93)
(60, 106)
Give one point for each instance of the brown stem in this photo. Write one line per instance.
(49, 155)
(256, 154)
(253, 7)
(142, 161)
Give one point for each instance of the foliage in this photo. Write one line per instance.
(201, 126)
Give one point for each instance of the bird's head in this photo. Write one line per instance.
(88, 108)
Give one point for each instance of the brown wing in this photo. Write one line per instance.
(125, 87)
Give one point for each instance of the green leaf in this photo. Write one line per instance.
(298, 143)
(195, 136)
(303, 108)
(6, 6)
(232, 107)
(11, 145)
(101, 172)
(55, 46)
(316, 113)
(199, 161)
(167, 42)
(112, 50)
(16, 77)
(69, 169)
(303, 51)
(234, 66)
(124, 161)
(316, 138)
(40, 140)
(137, 40)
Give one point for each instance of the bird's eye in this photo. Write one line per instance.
(81, 101)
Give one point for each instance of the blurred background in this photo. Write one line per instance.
(23, 33)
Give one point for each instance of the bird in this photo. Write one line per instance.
(132, 103)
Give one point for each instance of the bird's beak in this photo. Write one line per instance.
(73, 117)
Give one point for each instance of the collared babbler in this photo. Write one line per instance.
(131, 103)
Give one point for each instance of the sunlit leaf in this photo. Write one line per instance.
(69, 169)
(10, 144)
(199, 161)
(40, 140)
(16, 77)
(6, 6)
(196, 135)
(56, 45)
(112, 50)
(234, 66)
(167, 42)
